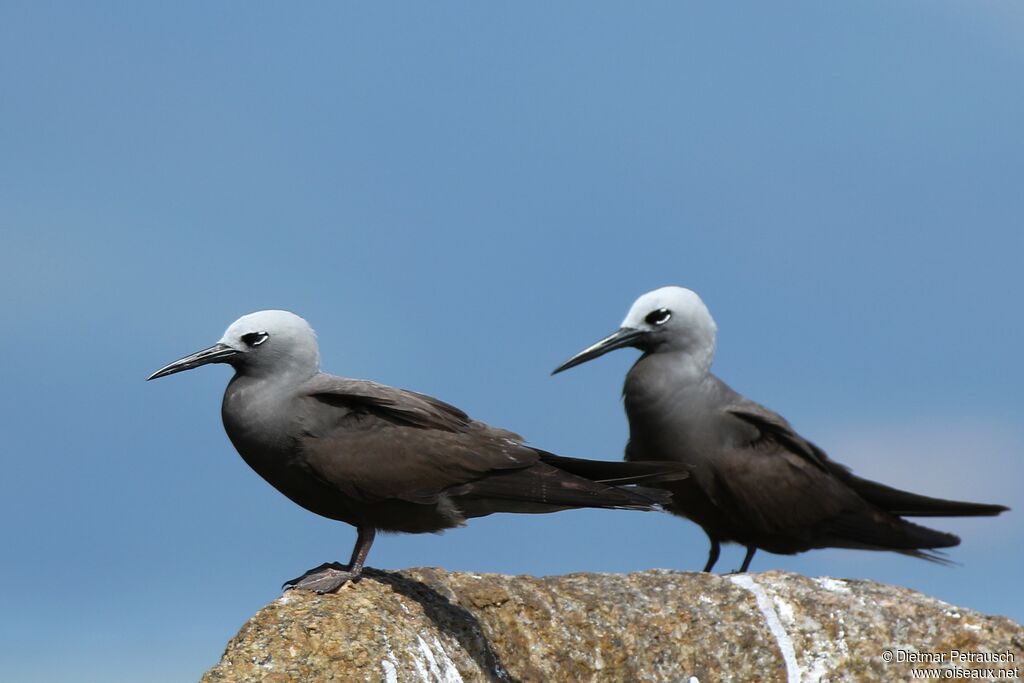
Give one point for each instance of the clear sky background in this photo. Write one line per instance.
(458, 196)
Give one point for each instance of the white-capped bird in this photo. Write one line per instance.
(754, 481)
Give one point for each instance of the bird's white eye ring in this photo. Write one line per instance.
(658, 317)
(255, 338)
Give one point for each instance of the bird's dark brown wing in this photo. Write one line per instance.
(397, 405)
(376, 442)
(774, 429)
(782, 481)
(797, 497)
(905, 503)
(372, 459)
(773, 491)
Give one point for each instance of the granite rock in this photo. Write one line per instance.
(432, 625)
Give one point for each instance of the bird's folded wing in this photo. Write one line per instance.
(398, 405)
(774, 429)
(778, 495)
(406, 463)
(375, 442)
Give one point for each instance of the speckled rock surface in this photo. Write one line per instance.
(433, 625)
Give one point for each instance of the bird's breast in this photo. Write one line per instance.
(257, 423)
(668, 421)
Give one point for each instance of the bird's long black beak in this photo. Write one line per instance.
(218, 353)
(624, 336)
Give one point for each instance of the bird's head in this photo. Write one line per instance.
(262, 343)
(666, 319)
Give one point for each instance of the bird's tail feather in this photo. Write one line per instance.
(886, 532)
(936, 556)
(618, 472)
(546, 488)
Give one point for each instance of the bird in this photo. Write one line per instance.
(386, 459)
(755, 480)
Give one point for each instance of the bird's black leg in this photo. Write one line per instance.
(716, 548)
(330, 576)
(751, 549)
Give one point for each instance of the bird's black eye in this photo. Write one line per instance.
(658, 317)
(255, 338)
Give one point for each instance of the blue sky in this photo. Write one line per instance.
(458, 196)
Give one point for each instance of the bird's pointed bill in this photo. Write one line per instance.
(624, 336)
(218, 353)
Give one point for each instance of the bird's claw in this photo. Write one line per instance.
(327, 578)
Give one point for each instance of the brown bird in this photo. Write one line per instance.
(381, 458)
(755, 481)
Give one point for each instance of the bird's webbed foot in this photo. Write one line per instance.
(327, 578)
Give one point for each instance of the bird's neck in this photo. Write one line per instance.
(677, 366)
(659, 378)
(280, 370)
(255, 412)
